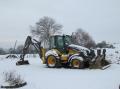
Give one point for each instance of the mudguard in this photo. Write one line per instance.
(75, 56)
(52, 52)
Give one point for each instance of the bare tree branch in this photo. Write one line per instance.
(45, 28)
(80, 37)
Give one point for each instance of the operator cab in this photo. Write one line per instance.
(60, 42)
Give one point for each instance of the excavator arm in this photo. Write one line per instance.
(27, 44)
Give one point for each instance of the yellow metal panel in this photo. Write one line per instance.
(43, 55)
(72, 51)
(64, 57)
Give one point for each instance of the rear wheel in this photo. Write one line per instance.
(76, 64)
(52, 61)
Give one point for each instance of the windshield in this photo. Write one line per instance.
(68, 39)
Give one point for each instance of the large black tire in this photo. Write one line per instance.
(53, 62)
(77, 64)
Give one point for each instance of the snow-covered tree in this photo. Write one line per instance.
(45, 28)
(82, 38)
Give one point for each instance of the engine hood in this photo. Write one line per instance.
(78, 48)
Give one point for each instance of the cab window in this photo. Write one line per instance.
(52, 42)
(60, 42)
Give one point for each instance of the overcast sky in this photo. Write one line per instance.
(101, 18)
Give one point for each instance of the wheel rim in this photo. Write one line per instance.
(76, 63)
(51, 61)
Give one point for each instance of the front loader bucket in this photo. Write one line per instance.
(21, 62)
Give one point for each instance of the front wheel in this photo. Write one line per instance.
(77, 64)
(52, 62)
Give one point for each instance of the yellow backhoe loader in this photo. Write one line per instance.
(62, 53)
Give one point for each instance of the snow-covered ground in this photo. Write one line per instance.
(114, 54)
(38, 76)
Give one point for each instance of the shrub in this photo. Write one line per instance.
(12, 78)
(2, 51)
(104, 44)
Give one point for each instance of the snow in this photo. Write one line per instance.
(114, 54)
(80, 47)
(38, 76)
